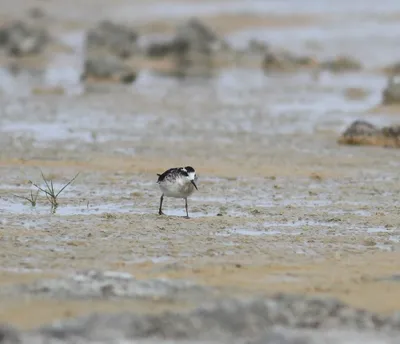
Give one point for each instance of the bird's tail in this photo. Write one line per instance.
(158, 174)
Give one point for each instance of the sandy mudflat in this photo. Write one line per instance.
(281, 207)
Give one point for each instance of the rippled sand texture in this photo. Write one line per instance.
(281, 207)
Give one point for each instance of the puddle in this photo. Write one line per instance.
(380, 229)
(213, 199)
(155, 260)
(20, 208)
(45, 131)
(96, 209)
(254, 201)
(182, 213)
(87, 130)
(300, 202)
(21, 270)
(393, 278)
(395, 239)
(278, 228)
(283, 278)
(301, 223)
(254, 232)
(390, 244)
(361, 212)
(182, 9)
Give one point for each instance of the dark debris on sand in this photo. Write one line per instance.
(19, 38)
(285, 319)
(364, 133)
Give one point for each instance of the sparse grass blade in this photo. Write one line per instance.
(66, 185)
(32, 199)
(49, 191)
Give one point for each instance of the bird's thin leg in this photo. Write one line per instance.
(186, 207)
(160, 212)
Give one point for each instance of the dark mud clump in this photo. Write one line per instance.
(97, 284)
(279, 319)
(289, 62)
(195, 48)
(341, 64)
(108, 46)
(286, 62)
(161, 49)
(108, 68)
(199, 37)
(365, 133)
(391, 94)
(20, 39)
(192, 36)
(393, 69)
(111, 38)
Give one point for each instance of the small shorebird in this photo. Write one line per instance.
(177, 182)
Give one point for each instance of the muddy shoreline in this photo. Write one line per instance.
(281, 207)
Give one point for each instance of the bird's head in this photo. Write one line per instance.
(190, 174)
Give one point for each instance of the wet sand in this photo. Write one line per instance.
(281, 206)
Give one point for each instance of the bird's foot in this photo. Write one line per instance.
(160, 213)
(186, 217)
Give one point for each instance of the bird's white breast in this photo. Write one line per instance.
(179, 188)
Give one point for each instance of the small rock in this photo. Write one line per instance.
(286, 62)
(108, 68)
(8, 335)
(316, 176)
(361, 128)
(369, 242)
(109, 216)
(392, 69)
(113, 38)
(105, 284)
(194, 48)
(341, 64)
(174, 46)
(20, 39)
(391, 132)
(158, 49)
(199, 37)
(391, 94)
(275, 62)
(255, 212)
(365, 133)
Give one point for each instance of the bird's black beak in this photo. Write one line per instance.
(192, 181)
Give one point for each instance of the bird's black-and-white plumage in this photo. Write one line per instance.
(177, 182)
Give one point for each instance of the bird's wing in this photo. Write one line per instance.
(161, 177)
